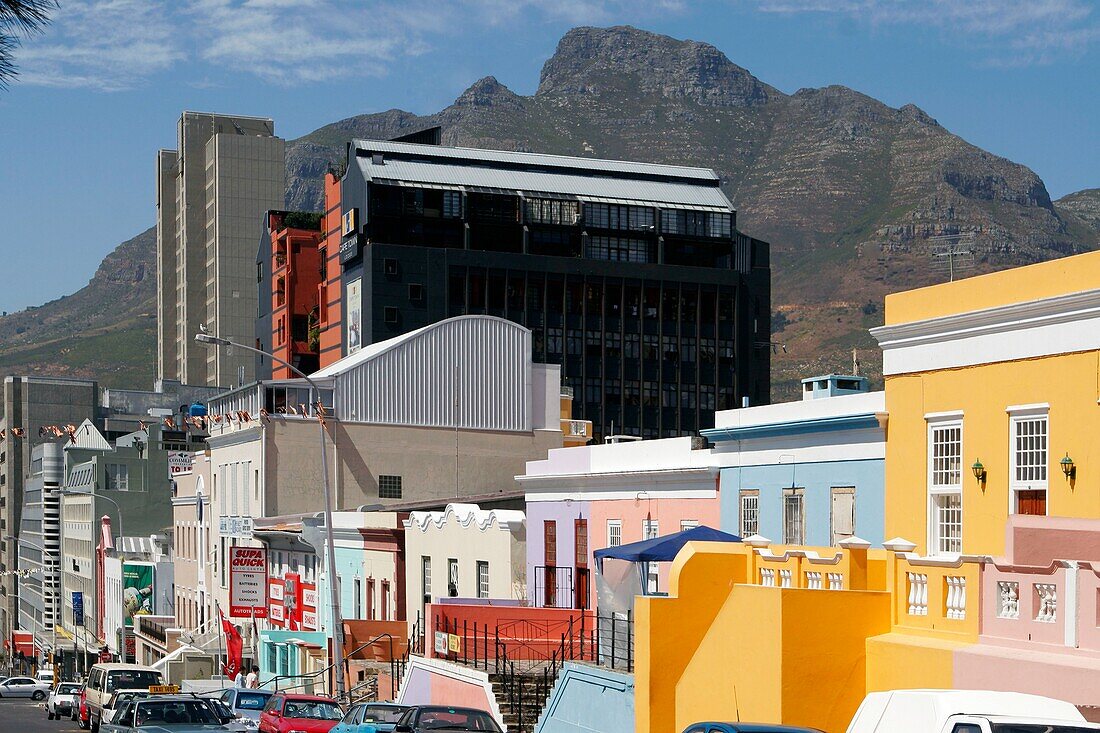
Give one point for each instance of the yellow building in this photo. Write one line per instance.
(1000, 370)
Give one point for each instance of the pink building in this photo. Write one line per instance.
(584, 499)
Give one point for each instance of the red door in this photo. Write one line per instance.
(550, 558)
(1032, 501)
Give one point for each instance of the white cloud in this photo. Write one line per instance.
(102, 44)
(113, 45)
(1009, 32)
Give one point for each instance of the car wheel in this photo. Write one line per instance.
(38, 695)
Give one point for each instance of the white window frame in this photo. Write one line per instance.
(937, 491)
(1018, 415)
(686, 524)
(744, 494)
(482, 578)
(426, 575)
(616, 524)
(118, 476)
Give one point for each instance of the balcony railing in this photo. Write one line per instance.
(554, 587)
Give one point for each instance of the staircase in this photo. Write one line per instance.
(522, 696)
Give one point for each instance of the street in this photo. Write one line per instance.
(27, 716)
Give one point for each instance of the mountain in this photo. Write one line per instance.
(850, 192)
(106, 330)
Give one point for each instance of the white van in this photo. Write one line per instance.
(104, 679)
(966, 711)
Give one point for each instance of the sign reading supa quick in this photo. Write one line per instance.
(138, 589)
(248, 582)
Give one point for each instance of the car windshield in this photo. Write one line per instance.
(1038, 728)
(251, 701)
(174, 712)
(69, 688)
(316, 710)
(382, 714)
(451, 719)
(128, 678)
(121, 697)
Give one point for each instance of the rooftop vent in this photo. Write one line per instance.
(833, 385)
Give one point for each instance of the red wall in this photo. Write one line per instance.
(524, 631)
(329, 291)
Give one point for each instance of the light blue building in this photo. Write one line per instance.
(805, 473)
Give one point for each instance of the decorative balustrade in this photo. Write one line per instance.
(814, 580)
(767, 577)
(785, 578)
(955, 606)
(1008, 599)
(1046, 610)
(918, 594)
(835, 581)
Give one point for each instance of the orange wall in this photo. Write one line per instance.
(330, 291)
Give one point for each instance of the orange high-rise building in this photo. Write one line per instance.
(292, 250)
(329, 295)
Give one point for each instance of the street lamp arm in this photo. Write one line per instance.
(205, 338)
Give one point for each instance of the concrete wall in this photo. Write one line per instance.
(425, 459)
(435, 682)
(589, 700)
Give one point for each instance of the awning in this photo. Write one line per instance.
(663, 549)
(23, 641)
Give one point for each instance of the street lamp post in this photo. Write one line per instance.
(330, 545)
(121, 563)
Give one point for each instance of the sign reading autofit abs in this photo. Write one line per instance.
(248, 582)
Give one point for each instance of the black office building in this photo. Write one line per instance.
(631, 276)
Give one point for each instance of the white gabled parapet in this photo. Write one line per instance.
(467, 515)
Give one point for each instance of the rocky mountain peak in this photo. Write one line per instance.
(596, 60)
(486, 92)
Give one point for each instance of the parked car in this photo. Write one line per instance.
(745, 728)
(45, 675)
(370, 717)
(110, 708)
(433, 717)
(104, 679)
(24, 687)
(61, 700)
(966, 711)
(246, 705)
(166, 714)
(80, 710)
(307, 713)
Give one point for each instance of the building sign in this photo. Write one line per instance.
(309, 595)
(309, 620)
(349, 235)
(454, 643)
(349, 223)
(275, 590)
(442, 642)
(355, 315)
(248, 582)
(78, 608)
(276, 613)
(180, 463)
(239, 527)
(138, 591)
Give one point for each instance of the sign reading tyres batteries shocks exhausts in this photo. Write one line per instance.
(248, 582)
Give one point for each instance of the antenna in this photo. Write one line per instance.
(952, 252)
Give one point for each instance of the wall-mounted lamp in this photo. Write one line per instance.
(1068, 467)
(979, 472)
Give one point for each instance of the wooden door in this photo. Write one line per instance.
(1031, 501)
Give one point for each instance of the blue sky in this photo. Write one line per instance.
(102, 89)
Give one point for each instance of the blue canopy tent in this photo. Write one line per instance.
(663, 549)
(616, 588)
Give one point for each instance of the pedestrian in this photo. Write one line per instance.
(253, 680)
(238, 681)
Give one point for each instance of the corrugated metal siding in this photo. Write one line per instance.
(484, 361)
(534, 182)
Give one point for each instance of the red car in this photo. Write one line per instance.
(80, 709)
(307, 713)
